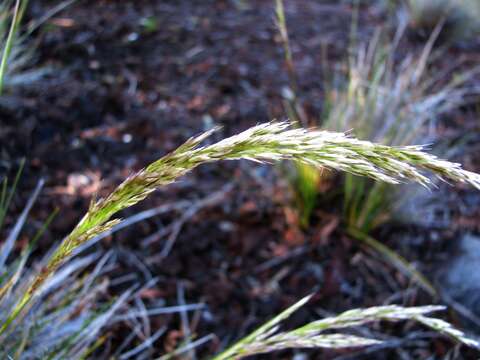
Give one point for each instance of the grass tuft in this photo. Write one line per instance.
(392, 103)
(66, 318)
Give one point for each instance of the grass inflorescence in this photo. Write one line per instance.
(267, 338)
(263, 143)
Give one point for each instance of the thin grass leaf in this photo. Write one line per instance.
(7, 246)
(42, 229)
(187, 347)
(7, 199)
(9, 43)
(87, 354)
(144, 345)
(14, 278)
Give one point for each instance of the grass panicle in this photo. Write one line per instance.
(267, 142)
(268, 338)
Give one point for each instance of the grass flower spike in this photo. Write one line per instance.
(267, 142)
(267, 338)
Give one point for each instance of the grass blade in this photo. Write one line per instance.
(9, 43)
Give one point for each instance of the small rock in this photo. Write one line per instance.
(460, 277)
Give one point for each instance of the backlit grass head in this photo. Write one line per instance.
(318, 334)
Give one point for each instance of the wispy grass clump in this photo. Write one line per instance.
(68, 317)
(392, 102)
(395, 99)
(267, 338)
(72, 312)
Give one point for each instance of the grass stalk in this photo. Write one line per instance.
(294, 109)
(7, 196)
(283, 30)
(305, 178)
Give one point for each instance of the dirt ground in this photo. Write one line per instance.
(131, 80)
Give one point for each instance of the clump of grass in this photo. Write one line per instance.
(267, 338)
(396, 104)
(459, 18)
(72, 313)
(382, 100)
(262, 143)
(66, 319)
